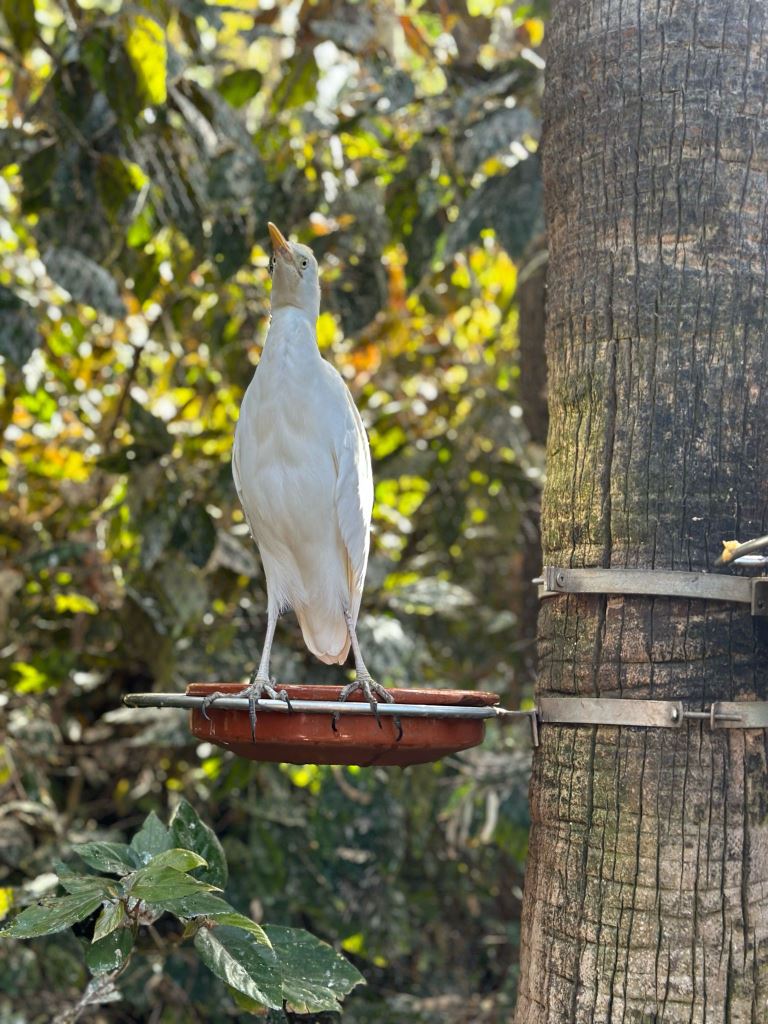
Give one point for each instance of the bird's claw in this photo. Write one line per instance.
(373, 692)
(253, 693)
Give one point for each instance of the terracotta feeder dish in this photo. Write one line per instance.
(435, 723)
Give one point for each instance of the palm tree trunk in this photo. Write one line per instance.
(646, 894)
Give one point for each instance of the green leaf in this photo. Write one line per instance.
(142, 228)
(315, 976)
(509, 203)
(109, 953)
(146, 49)
(194, 534)
(117, 180)
(191, 833)
(235, 920)
(242, 962)
(206, 904)
(19, 336)
(20, 17)
(84, 279)
(110, 918)
(84, 885)
(179, 860)
(298, 84)
(196, 904)
(240, 86)
(150, 432)
(37, 170)
(115, 858)
(52, 915)
(75, 604)
(154, 886)
(152, 838)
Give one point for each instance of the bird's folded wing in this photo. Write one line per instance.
(236, 474)
(354, 491)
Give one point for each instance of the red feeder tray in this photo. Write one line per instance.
(303, 737)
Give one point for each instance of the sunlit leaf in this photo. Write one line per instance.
(164, 883)
(20, 18)
(75, 604)
(180, 860)
(240, 86)
(146, 48)
(111, 917)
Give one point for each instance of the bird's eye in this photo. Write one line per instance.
(304, 264)
(271, 265)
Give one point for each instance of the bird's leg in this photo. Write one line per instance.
(259, 685)
(371, 690)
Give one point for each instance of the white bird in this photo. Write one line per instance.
(302, 470)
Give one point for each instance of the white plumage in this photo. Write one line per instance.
(302, 469)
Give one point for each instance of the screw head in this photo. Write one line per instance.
(560, 579)
(675, 714)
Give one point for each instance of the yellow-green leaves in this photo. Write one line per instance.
(145, 45)
(20, 18)
(75, 604)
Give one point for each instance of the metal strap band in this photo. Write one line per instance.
(657, 583)
(655, 714)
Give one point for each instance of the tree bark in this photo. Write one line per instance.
(646, 893)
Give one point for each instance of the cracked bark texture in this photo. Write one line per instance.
(646, 894)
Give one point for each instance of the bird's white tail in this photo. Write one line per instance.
(325, 634)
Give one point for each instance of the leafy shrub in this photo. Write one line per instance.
(171, 875)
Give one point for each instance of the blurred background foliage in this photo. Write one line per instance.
(143, 148)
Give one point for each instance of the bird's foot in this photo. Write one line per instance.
(373, 693)
(254, 692)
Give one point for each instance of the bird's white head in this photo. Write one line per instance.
(295, 275)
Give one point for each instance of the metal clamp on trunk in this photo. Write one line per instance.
(653, 714)
(703, 586)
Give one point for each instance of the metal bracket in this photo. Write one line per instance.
(760, 597)
(532, 714)
(653, 714)
(657, 583)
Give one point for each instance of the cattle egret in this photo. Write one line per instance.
(302, 470)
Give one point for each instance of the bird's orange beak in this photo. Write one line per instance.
(279, 242)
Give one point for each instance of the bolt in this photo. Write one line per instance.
(560, 579)
(675, 714)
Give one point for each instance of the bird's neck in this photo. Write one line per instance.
(292, 336)
(290, 315)
(303, 300)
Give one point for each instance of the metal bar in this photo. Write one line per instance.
(742, 714)
(666, 714)
(650, 583)
(190, 701)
